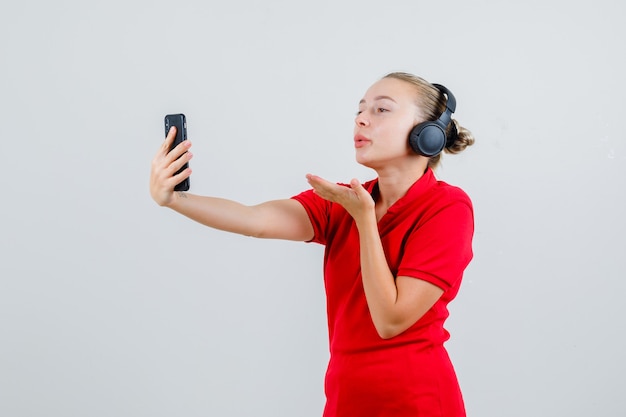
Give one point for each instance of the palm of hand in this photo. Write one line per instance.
(355, 199)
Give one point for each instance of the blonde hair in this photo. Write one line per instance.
(432, 102)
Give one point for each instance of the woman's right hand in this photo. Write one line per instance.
(164, 166)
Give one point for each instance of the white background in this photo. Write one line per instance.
(113, 306)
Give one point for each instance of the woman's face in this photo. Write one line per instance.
(386, 115)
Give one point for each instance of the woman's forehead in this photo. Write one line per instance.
(397, 90)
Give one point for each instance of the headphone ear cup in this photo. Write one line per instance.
(427, 139)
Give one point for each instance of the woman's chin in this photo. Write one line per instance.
(366, 162)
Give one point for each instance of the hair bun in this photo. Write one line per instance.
(460, 138)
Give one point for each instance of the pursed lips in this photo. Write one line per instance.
(360, 141)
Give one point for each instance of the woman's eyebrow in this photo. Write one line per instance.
(378, 98)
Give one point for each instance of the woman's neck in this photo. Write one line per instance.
(393, 184)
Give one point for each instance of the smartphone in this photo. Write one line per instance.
(180, 122)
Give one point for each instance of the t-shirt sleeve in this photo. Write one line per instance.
(318, 210)
(439, 250)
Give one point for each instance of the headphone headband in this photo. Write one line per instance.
(451, 103)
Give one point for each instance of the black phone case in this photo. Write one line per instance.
(180, 122)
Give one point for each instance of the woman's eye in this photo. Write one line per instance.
(378, 110)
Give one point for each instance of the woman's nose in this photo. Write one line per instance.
(361, 119)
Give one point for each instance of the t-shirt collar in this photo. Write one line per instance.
(417, 189)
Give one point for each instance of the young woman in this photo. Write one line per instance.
(396, 249)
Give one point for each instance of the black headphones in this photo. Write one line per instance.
(429, 138)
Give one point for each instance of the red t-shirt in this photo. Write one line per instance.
(427, 235)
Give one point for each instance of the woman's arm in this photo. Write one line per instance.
(395, 303)
(278, 219)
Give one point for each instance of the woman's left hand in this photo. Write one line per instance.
(355, 199)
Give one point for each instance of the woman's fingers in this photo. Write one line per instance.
(179, 163)
(166, 165)
(180, 177)
(323, 188)
(355, 198)
(175, 153)
(171, 161)
(169, 139)
(331, 191)
(178, 152)
(358, 188)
